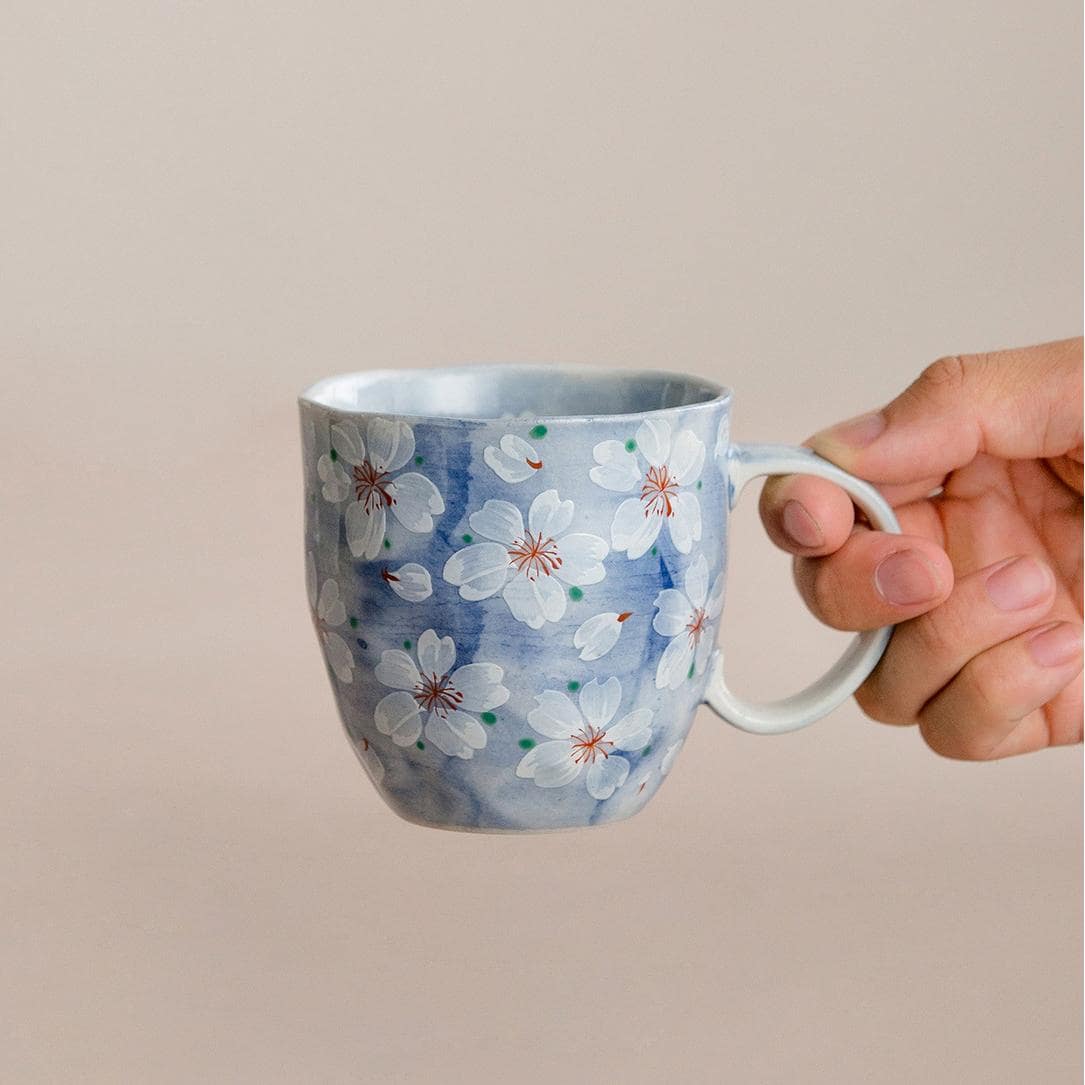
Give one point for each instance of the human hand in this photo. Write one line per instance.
(985, 584)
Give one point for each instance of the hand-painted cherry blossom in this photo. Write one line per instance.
(411, 581)
(512, 459)
(669, 756)
(583, 738)
(526, 565)
(688, 619)
(369, 482)
(598, 635)
(446, 697)
(660, 471)
(329, 612)
(369, 759)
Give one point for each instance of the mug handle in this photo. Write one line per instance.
(743, 463)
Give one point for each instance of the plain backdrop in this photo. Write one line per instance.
(206, 206)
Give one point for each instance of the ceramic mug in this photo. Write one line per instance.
(517, 577)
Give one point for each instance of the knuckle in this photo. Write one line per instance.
(822, 593)
(946, 373)
(945, 742)
(874, 701)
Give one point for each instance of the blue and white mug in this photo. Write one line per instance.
(517, 577)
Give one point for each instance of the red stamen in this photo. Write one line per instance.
(372, 487)
(389, 577)
(695, 626)
(625, 614)
(535, 464)
(533, 554)
(588, 744)
(437, 695)
(659, 492)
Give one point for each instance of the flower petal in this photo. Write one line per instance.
(330, 608)
(632, 531)
(715, 598)
(674, 614)
(549, 516)
(336, 480)
(458, 736)
(365, 530)
(391, 443)
(348, 443)
(339, 657)
(697, 581)
(673, 667)
(514, 461)
(654, 440)
(599, 702)
(535, 602)
(436, 655)
(632, 732)
(500, 521)
(397, 669)
(597, 636)
(581, 559)
(411, 582)
(618, 469)
(417, 501)
(669, 756)
(550, 764)
(480, 684)
(687, 457)
(685, 524)
(556, 716)
(310, 578)
(703, 651)
(398, 715)
(606, 776)
(479, 571)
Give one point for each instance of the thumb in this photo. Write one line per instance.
(1015, 404)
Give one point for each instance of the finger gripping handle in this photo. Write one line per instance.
(746, 462)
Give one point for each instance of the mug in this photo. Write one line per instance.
(517, 577)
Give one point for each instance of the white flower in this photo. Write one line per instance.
(513, 459)
(525, 566)
(686, 618)
(660, 468)
(584, 738)
(411, 498)
(329, 613)
(447, 696)
(598, 635)
(369, 759)
(411, 581)
(669, 756)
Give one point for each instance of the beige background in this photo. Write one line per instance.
(207, 206)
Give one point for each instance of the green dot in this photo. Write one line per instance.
(420, 744)
(572, 687)
(387, 544)
(353, 623)
(576, 594)
(646, 751)
(631, 445)
(419, 459)
(699, 484)
(407, 645)
(689, 673)
(333, 455)
(526, 743)
(655, 550)
(468, 538)
(538, 431)
(488, 718)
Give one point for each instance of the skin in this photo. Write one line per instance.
(981, 458)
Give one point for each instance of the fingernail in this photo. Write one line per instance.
(1057, 644)
(907, 578)
(1020, 583)
(800, 526)
(856, 432)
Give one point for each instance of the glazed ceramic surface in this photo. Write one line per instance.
(516, 576)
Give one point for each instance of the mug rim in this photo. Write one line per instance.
(717, 394)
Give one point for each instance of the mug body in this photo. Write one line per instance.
(516, 575)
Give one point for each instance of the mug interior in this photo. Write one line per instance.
(483, 392)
